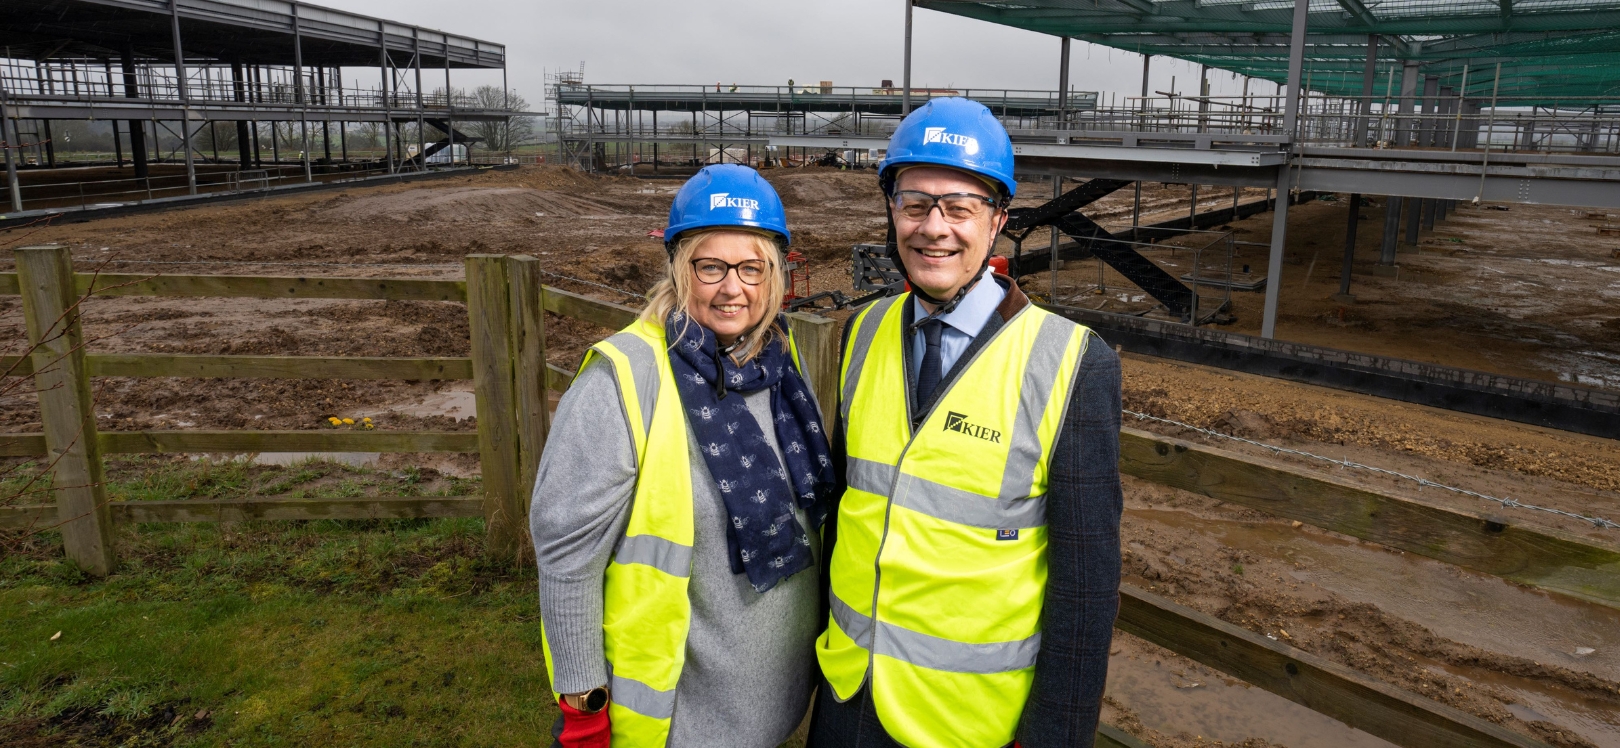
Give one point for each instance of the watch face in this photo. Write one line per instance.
(596, 699)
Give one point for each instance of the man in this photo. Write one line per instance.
(974, 560)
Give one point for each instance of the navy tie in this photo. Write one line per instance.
(929, 375)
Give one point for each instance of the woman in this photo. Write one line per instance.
(676, 511)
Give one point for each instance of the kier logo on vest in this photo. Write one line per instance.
(958, 422)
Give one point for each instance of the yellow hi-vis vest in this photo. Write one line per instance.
(646, 613)
(939, 572)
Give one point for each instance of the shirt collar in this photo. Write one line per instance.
(973, 313)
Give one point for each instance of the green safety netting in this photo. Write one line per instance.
(1551, 52)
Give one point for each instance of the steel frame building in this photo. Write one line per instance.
(185, 64)
(1473, 100)
(592, 119)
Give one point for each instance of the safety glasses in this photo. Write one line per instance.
(956, 207)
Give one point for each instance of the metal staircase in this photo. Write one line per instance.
(1090, 238)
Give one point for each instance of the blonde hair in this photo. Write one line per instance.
(674, 291)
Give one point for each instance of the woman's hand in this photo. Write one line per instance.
(584, 729)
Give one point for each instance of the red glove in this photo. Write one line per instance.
(581, 730)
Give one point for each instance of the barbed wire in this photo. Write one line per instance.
(1506, 503)
(278, 263)
(252, 263)
(642, 297)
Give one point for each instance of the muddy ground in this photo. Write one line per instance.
(1514, 295)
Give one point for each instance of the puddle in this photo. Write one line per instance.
(453, 404)
(1474, 609)
(1594, 719)
(356, 459)
(1220, 708)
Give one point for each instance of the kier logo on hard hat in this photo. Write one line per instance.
(939, 135)
(724, 200)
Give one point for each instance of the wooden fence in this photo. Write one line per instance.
(506, 305)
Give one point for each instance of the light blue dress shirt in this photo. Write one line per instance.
(962, 325)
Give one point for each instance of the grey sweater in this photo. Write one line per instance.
(750, 658)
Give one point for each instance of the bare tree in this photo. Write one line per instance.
(500, 136)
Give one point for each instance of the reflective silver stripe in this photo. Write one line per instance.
(1040, 376)
(940, 501)
(664, 555)
(641, 698)
(863, 343)
(856, 626)
(935, 653)
(869, 476)
(644, 367)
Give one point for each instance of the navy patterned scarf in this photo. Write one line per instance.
(766, 541)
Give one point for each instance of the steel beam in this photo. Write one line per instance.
(1584, 187)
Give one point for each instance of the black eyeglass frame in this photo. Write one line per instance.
(894, 200)
(730, 266)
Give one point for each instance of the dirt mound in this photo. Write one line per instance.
(464, 205)
(810, 188)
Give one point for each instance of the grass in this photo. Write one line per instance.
(385, 633)
(177, 477)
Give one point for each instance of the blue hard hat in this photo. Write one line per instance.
(726, 195)
(955, 132)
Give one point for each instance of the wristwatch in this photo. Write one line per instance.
(590, 702)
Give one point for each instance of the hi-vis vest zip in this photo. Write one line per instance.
(646, 613)
(939, 572)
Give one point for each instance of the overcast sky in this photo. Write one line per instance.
(849, 42)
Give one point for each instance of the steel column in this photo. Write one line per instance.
(1368, 77)
(416, 62)
(905, 83)
(1349, 249)
(1414, 215)
(239, 89)
(185, 96)
(1405, 126)
(137, 131)
(1392, 231)
(449, 110)
(1063, 83)
(1430, 134)
(299, 96)
(1279, 223)
(8, 132)
(388, 103)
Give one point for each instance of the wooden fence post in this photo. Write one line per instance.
(506, 533)
(817, 338)
(529, 375)
(50, 306)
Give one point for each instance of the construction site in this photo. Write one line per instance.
(1368, 313)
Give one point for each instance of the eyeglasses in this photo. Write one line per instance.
(710, 271)
(956, 207)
